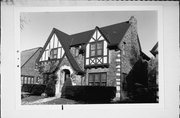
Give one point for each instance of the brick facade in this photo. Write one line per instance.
(121, 61)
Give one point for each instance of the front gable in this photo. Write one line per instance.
(96, 50)
(52, 49)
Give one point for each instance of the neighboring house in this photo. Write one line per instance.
(102, 56)
(28, 73)
(154, 50)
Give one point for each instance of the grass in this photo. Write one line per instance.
(31, 98)
(62, 101)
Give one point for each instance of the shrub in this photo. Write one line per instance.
(35, 89)
(90, 93)
(50, 85)
(27, 88)
(38, 89)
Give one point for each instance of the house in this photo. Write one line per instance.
(154, 50)
(102, 56)
(28, 73)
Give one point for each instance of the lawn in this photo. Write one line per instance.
(61, 101)
(30, 99)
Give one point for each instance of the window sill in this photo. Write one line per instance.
(97, 66)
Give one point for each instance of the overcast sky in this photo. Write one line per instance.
(38, 26)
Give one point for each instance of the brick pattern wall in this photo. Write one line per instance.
(130, 49)
(76, 79)
(111, 70)
(79, 58)
(120, 62)
(130, 52)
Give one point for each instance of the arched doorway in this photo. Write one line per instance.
(67, 81)
(63, 73)
(66, 74)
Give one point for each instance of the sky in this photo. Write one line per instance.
(37, 26)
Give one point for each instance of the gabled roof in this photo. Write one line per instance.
(154, 50)
(113, 33)
(28, 59)
(65, 40)
(144, 56)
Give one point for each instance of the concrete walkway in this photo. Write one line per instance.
(40, 101)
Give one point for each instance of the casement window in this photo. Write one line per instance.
(76, 52)
(53, 50)
(97, 79)
(22, 80)
(27, 80)
(32, 80)
(54, 53)
(96, 51)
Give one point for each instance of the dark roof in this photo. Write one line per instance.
(65, 41)
(28, 59)
(154, 50)
(113, 33)
(144, 56)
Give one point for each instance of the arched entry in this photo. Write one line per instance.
(67, 82)
(63, 73)
(66, 74)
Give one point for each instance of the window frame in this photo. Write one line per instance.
(96, 49)
(93, 82)
(76, 51)
(52, 54)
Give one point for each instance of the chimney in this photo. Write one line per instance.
(133, 22)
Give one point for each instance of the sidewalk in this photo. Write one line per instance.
(40, 101)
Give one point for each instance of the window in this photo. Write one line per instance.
(32, 80)
(29, 80)
(76, 52)
(96, 49)
(97, 79)
(54, 53)
(22, 81)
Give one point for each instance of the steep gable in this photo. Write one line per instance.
(113, 33)
(154, 50)
(96, 50)
(63, 41)
(28, 58)
(52, 49)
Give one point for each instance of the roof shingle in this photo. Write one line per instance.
(28, 60)
(113, 33)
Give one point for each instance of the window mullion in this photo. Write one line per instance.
(96, 50)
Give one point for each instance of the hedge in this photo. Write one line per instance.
(34, 89)
(90, 93)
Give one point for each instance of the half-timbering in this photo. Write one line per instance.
(102, 56)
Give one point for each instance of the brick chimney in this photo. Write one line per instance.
(133, 22)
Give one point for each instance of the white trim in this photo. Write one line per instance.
(66, 67)
(118, 74)
(118, 88)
